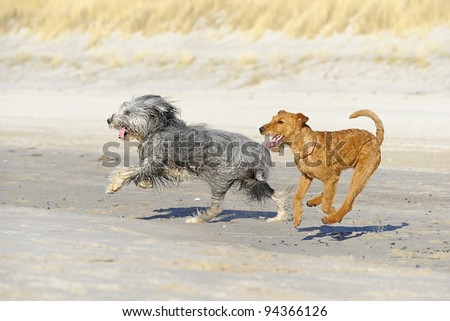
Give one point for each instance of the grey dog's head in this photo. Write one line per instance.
(142, 117)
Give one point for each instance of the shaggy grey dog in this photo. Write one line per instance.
(171, 151)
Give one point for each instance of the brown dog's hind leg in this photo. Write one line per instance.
(329, 191)
(363, 171)
(302, 188)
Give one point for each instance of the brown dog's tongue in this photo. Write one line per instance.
(273, 142)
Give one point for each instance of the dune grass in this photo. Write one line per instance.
(294, 18)
(98, 19)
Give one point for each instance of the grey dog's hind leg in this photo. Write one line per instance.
(260, 190)
(211, 212)
(217, 197)
(279, 197)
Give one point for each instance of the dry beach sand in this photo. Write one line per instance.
(62, 238)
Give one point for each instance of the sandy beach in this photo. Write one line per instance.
(62, 238)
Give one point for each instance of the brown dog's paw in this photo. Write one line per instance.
(297, 222)
(310, 203)
(315, 201)
(326, 220)
(331, 219)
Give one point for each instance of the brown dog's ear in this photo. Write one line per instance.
(281, 111)
(302, 119)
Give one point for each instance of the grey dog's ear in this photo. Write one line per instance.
(163, 108)
(161, 104)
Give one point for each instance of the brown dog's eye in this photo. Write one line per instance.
(281, 121)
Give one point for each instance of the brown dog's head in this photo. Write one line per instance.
(282, 128)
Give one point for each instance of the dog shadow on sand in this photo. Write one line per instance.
(335, 232)
(224, 216)
(342, 233)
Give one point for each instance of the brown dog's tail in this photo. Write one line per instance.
(374, 117)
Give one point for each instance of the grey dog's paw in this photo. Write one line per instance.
(278, 218)
(200, 217)
(111, 189)
(195, 220)
(145, 184)
(119, 178)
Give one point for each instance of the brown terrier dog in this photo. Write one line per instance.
(324, 155)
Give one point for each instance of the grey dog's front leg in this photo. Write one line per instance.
(125, 175)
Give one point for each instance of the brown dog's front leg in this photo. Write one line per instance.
(316, 200)
(302, 188)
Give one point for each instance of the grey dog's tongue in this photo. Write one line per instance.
(122, 132)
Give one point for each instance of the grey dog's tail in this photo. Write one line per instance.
(255, 190)
(260, 190)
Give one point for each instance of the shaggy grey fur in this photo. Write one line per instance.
(171, 151)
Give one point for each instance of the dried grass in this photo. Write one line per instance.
(294, 18)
